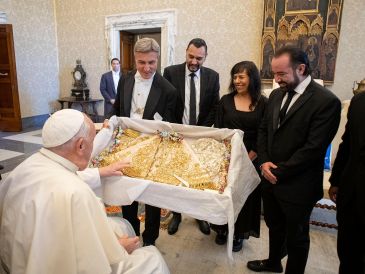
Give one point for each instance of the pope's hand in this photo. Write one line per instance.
(129, 244)
(114, 169)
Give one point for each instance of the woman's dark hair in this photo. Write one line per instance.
(254, 86)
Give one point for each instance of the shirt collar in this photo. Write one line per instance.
(139, 79)
(116, 72)
(58, 159)
(303, 85)
(188, 72)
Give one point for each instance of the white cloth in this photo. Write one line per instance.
(141, 90)
(52, 222)
(203, 205)
(116, 76)
(186, 115)
(65, 121)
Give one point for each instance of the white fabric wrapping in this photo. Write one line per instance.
(204, 205)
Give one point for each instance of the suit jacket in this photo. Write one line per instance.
(209, 92)
(161, 99)
(107, 89)
(299, 145)
(348, 171)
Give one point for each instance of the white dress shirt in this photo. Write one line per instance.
(116, 77)
(141, 90)
(186, 116)
(298, 92)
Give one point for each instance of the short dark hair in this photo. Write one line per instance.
(198, 43)
(254, 86)
(297, 57)
(114, 59)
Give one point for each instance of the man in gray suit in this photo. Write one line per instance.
(191, 78)
(145, 94)
(108, 86)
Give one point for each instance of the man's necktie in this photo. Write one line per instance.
(192, 112)
(284, 109)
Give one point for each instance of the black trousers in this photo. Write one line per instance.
(288, 225)
(152, 221)
(351, 237)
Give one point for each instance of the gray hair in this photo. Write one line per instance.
(147, 45)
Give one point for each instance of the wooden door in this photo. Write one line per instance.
(126, 51)
(10, 119)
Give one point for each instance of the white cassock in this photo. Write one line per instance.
(52, 222)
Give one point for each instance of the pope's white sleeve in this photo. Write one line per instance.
(90, 176)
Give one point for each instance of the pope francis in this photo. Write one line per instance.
(52, 222)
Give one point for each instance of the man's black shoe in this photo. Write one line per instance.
(174, 224)
(204, 227)
(264, 265)
(148, 243)
(237, 245)
(221, 237)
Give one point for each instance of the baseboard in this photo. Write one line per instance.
(34, 121)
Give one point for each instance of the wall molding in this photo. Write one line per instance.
(164, 19)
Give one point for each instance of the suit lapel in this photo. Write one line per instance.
(152, 99)
(203, 87)
(276, 111)
(111, 80)
(298, 103)
(181, 81)
(128, 93)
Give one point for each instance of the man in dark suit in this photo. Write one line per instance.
(192, 78)
(108, 86)
(145, 94)
(300, 122)
(348, 188)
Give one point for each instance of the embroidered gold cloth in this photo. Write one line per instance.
(167, 158)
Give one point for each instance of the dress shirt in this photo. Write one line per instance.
(298, 92)
(141, 90)
(116, 76)
(186, 117)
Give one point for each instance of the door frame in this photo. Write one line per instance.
(164, 19)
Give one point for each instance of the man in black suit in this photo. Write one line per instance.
(348, 188)
(300, 122)
(145, 94)
(108, 86)
(191, 78)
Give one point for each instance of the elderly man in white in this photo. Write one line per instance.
(50, 219)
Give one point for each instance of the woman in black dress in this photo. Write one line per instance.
(243, 108)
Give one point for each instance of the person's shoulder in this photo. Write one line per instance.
(209, 71)
(227, 97)
(175, 67)
(322, 92)
(107, 73)
(163, 83)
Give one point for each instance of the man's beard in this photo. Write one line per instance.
(292, 85)
(193, 68)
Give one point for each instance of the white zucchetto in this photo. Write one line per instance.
(61, 126)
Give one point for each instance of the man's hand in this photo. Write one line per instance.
(129, 244)
(332, 192)
(106, 123)
(112, 101)
(252, 155)
(114, 169)
(266, 172)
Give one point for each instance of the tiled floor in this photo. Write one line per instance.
(190, 251)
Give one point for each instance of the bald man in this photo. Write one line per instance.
(52, 222)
